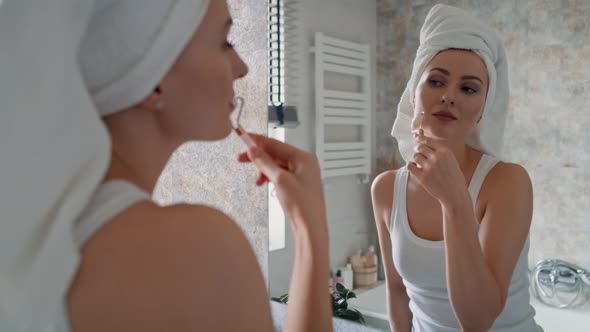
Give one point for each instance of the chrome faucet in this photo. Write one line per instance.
(552, 277)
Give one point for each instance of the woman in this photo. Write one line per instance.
(161, 73)
(453, 223)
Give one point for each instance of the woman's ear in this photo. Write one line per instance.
(153, 101)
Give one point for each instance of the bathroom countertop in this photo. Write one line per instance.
(340, 325)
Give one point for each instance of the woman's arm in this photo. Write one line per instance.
(400, 316)
(479, 268)
(296, 176)
(308, 308)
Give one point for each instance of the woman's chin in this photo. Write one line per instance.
(435, 132)
(220, 134)
(213, 134)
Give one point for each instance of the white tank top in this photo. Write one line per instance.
(110, 199)
(421, 264)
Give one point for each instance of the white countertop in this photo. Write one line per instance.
(340, 325)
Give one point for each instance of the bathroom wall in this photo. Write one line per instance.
(349, 211)
(208, 173)
(547, 128)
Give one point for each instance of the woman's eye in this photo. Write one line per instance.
(434, 82)
(469, 90)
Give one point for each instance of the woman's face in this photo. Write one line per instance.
(451, 95)
(198, 90)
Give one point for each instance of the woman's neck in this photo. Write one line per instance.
(139, 149)
(467, 158)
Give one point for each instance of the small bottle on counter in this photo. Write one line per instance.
(338, 279)
(347, 275)
(371, 256)
(331, 281)
(373, 261)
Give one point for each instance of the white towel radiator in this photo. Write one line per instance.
(343, 108)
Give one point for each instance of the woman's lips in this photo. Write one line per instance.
(445, 116)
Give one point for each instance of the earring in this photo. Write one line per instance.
(159, 105)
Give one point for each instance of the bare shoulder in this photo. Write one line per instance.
(508, 196)
(196, 226)
(155, 268)
(383, 183)
(506, 178)
(382, 195)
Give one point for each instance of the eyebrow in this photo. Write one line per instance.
(466, 77)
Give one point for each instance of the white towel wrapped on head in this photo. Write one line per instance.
(448, 27)
(130, 45)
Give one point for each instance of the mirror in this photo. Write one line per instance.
(546, 132)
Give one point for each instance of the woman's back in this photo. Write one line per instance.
(151, 268)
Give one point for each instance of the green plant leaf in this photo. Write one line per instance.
(281, 299)
(338, 310)
(361, 317)
(350, 295)
(349, 314)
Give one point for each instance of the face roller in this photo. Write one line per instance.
(239, 103)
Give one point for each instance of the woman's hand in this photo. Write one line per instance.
(437, 170)
(296, 177)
